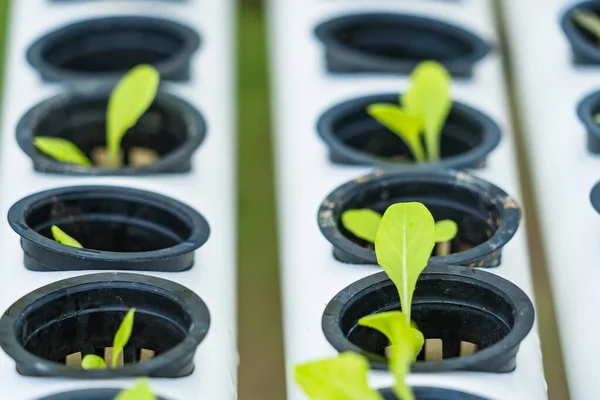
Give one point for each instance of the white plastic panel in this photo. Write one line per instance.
(549, 88)
(310, 275)
(209, 188)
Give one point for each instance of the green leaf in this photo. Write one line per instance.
(62, 237)
(122, 336)
(61, 150)
(362, 223)
(406, 342)
(341, 378)
(597, 118)
(429, 98)
(129, 100)
(92, 361)
(445, 230)
(141, 391)
(403, 245)
(588, 21)
(408, 127)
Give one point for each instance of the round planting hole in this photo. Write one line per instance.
(119, 228)
(79, 316)
(396, 43)
(584, 44)
(486, 216)
(108, 47)
(471, 319)
(162, 141)
(426, 393)
(354, 137)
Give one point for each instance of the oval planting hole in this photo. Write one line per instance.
(485, 215)
(162, 141)
(63, 322)
(117, 227)
(459, 310)
(110, 223)
(108, 47)
(395, 43)
(356, 138)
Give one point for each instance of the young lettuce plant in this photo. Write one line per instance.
(364, 223)
(406, 343)
(589, 21)
(62, 237)
(92, 361)
(422, 111)
(129, 100)
(141, 391)
(403, 245)
(341, 378)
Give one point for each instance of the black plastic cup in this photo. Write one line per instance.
(421, 393)
(172, 128)
(586, 111)
(355, 138)
(82, 314)
(92, 394)
(584, 45)
(397, 43)
(106, 48)
(452, 303)
(119, 228)
(486, 216)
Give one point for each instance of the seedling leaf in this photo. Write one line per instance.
(445, 230)
(406, 342)
(588, 21)
(362, 223)
(341, 378)
(403, 245)
(141, 391)
(62, 237)
(429, 98)
(122, 336)
(129, 100)
(407, 126)
(597, 118)
(61, 150)
(92, 361)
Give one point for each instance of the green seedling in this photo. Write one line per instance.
(403, 245)
(341, 378)
(364, 223)
(141, 391)
(92, 361)
(129, 100)
(589, 21)
(597, 118)
(62, 237)
(422, 111)
(406, 342)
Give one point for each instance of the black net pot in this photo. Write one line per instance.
(79, 316)
(355, 138)
(119, 228)
(586, 110)
(106, 48)
(172, 128)
(486, 216)
(423, 393)
(397, 43)
(90, 394)
(462, 307)
(584, 45)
